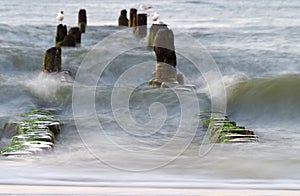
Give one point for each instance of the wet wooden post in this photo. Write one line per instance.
(141, 29)
(153, 30)
(76, 33)
(82, 21)
(164, 48)
(52, 60)
(69, 41)
(61, 33)
(123, 20)
(132, 17)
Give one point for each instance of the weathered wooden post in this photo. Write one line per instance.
(132, 17)
(61, 33)
(52, 60)
(82, 21)
(153, 30)
(164, 49)
(69, 41)
(141, 29)
(76, 33)
(123, 20)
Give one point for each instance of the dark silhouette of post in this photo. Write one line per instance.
(123, 20)
(69, 41)
(132, 17)
(76, 33)
(61, 33)
(141, 28)
(82, 21)
(52, 60)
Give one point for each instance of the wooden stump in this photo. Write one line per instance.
(132, 18)
(153, 30)
(69, 41)
(164, 47)
(165, 75)
(76, 33)
(61, 33)
(123, 20)
(82, 21)
(141, 29)
(165, 72)
(52, 60)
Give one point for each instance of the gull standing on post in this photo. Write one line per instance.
(154, 17)
(60, 16)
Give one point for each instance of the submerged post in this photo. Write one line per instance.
(141, 29)
(123, 20)
(61, 33)
(82, 21)
(132, 17)
(52, 60)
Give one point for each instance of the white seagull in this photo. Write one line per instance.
(154, 16)
(60, 16)
(144, 7)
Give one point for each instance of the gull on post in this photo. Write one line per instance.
(60, 16)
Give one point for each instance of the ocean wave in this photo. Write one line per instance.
(267, 100)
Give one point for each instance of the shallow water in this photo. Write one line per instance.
(119, 132)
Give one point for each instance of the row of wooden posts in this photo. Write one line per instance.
(160, 38)
(65, 38)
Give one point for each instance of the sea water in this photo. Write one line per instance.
(120, 132)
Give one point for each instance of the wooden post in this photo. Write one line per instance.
(61, 33)
(164, 49)
(52, 60)
(123, 20)
(141, 29)
(153, 30)
(82, 21)
(69, 41)
(132, 17)
(75, 32)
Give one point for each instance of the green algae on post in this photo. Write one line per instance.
(221, 130)
(34, 134)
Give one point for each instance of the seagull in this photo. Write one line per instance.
(144, 7)
(154, 16)
(60, 16)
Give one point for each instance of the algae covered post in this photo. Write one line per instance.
(222, 130)
(61, 34)
(52, 60)
(34, 134)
